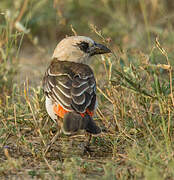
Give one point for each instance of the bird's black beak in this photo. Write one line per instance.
(99, 49)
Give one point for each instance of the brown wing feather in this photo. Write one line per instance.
(70, 84)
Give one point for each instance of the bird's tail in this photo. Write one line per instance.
(73, 122)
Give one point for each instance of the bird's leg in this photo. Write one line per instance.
(89, 139)
(87, 149)
(53, 140)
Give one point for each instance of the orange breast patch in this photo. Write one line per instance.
(58, 109)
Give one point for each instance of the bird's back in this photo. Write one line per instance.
(71, 85)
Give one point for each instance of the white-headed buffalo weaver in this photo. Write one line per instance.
(70, 86)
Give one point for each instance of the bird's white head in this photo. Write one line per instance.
(78, 49)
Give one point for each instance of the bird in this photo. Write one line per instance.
(70, 85)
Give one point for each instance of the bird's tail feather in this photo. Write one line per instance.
(73, 122)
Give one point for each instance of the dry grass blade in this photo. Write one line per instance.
(162, 50)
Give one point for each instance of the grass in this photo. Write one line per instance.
(135, 97)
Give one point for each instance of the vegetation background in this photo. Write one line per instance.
(135, 89)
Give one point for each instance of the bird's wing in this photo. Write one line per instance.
(72, 85)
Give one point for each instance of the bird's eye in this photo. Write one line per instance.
(84, 46)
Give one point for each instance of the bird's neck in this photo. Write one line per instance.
(72, 58)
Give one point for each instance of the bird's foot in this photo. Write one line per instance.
(86, 146)
(87, 150)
